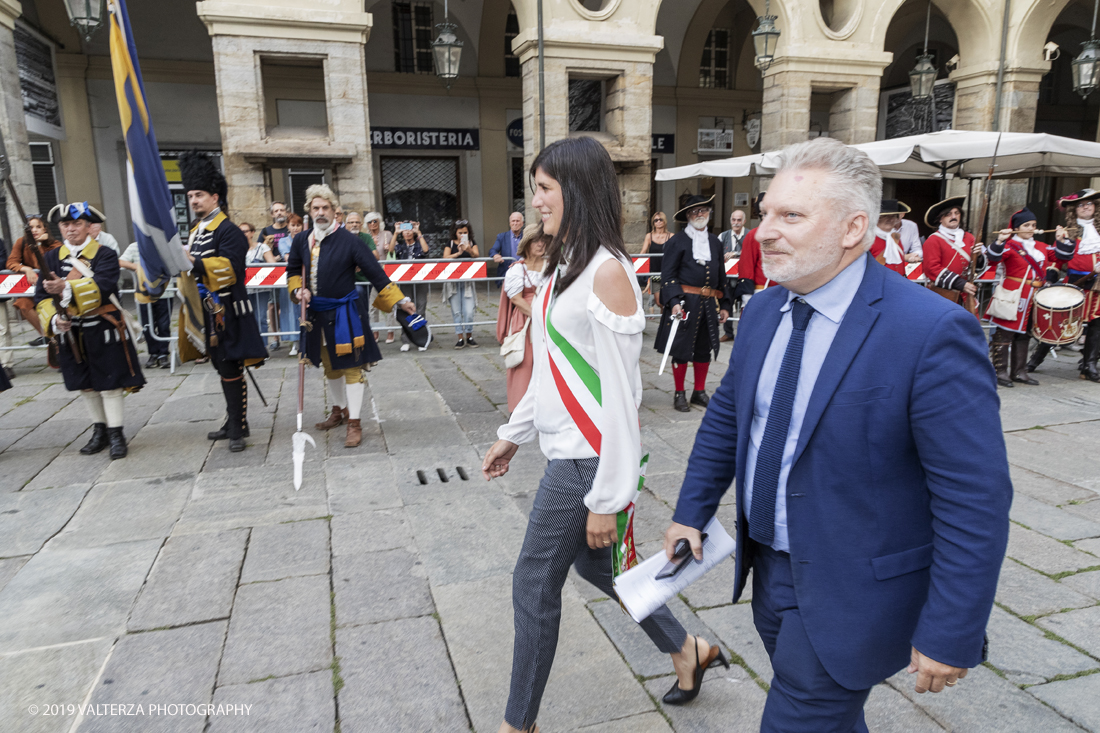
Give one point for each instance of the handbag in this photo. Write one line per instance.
(1005, 303)
(512, 349)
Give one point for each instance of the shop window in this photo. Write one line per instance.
(422, 189)
(511, 30)
(714, 69)
(299, 180)
(45, 176)
(294, 96)
(519, 180)
(412, 37)
(586, 100)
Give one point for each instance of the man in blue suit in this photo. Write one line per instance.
(860, 418)
(507, 244)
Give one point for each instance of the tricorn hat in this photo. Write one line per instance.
(692, 202)
(935, 211)
(1085, 194)
(74, 211)
(199, 173)
(893, 207)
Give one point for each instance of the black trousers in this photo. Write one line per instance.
(158, 323)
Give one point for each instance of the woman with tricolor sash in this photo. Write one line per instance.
(582, 405)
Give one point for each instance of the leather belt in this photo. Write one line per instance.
(705, 292)
(1033, 283)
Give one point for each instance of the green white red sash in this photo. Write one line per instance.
(624, 556)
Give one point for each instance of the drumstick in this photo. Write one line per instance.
(1071, 231)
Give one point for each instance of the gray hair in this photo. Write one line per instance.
(321, 191)
(373, 216)
(857, 180)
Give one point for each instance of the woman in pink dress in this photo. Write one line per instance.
(521, 283)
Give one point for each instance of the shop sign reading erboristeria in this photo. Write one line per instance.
(424, 138)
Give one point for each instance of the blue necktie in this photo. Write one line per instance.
(769, 459)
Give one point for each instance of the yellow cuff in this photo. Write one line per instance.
(388, 297)
(219, 273)
(46, 311)
(294, 282)
(86, 296)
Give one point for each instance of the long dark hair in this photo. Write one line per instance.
(592, 215)
(463, 225)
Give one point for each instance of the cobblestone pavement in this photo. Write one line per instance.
(378, 597)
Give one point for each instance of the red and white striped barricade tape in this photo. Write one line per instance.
(15, 286)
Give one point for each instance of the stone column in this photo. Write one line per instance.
(12, 123)
(786, 116)
(975, 105)
(78, 148)
(246, 31)
(583, 45)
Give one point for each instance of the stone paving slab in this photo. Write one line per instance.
(194, 579)
(56, 676)
(20, 467)
(64, 596)
(589, 684)
(278, 629)
(1046, 489)
(53, 434)
(70, 468)
(1052, 521)
(1078, 627)
(644, 723)
(1028, 593)
(280, 551)
(1087, 583)
(299, 704)
(164, 450)
(29, 519)
(379, 586)
(1090, 546)
(230, 499)
(360, 483)
(888, 711)
(123, 511)
(9, 436)
(632, 642)
(1077, 699)
(159, 667)
(379, 695)
(730, 702)
(983, 697)
(1089, 510)
(734, 627)
(1025, 655)
(1045, 554)
(1055, 454)
(9, 567)
(386, 529)
(467, 540)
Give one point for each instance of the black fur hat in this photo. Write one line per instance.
(200, 174)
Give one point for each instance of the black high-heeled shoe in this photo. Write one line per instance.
(679, 696)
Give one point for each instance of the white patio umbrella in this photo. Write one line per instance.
(739, 167)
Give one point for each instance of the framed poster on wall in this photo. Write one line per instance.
(900, 115)
(34, 55)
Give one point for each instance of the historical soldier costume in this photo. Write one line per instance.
(693, 276)
(948, 251)
(1079, 258)
(887, 248)
(1028, 264)
(95, 346)
(217, 318)
(339, 336)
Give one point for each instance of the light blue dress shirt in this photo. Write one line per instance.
(830, 302)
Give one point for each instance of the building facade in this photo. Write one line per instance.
(290, 92)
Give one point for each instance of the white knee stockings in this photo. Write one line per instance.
(105, 407)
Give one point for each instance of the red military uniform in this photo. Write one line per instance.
(878, 250)
(1081, 269)
(1023, 272)
(749, 265)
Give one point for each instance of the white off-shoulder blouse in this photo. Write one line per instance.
(596, 353)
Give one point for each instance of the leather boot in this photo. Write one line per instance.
(339, 414)
(98, 441)
(1091, 352)
(355, 434)
(223, 432)
(1038, 356)
(1019, 360)
(999, 349)
(700, 397)
(118, 443)
(236, 408)
(679, 402)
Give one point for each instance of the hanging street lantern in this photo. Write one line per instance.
(923, 77)
(447, 50)
(765, 38)
(86, 15)
(1086, 68)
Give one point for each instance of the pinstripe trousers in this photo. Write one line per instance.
(556, 538)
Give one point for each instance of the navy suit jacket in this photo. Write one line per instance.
(898, 497)
(501, 247)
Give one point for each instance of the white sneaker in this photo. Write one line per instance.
(404, 347)
(294, 350)
(421, 348)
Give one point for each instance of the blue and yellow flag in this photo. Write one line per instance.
(151, 206)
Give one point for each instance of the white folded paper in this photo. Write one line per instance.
(642, 594)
